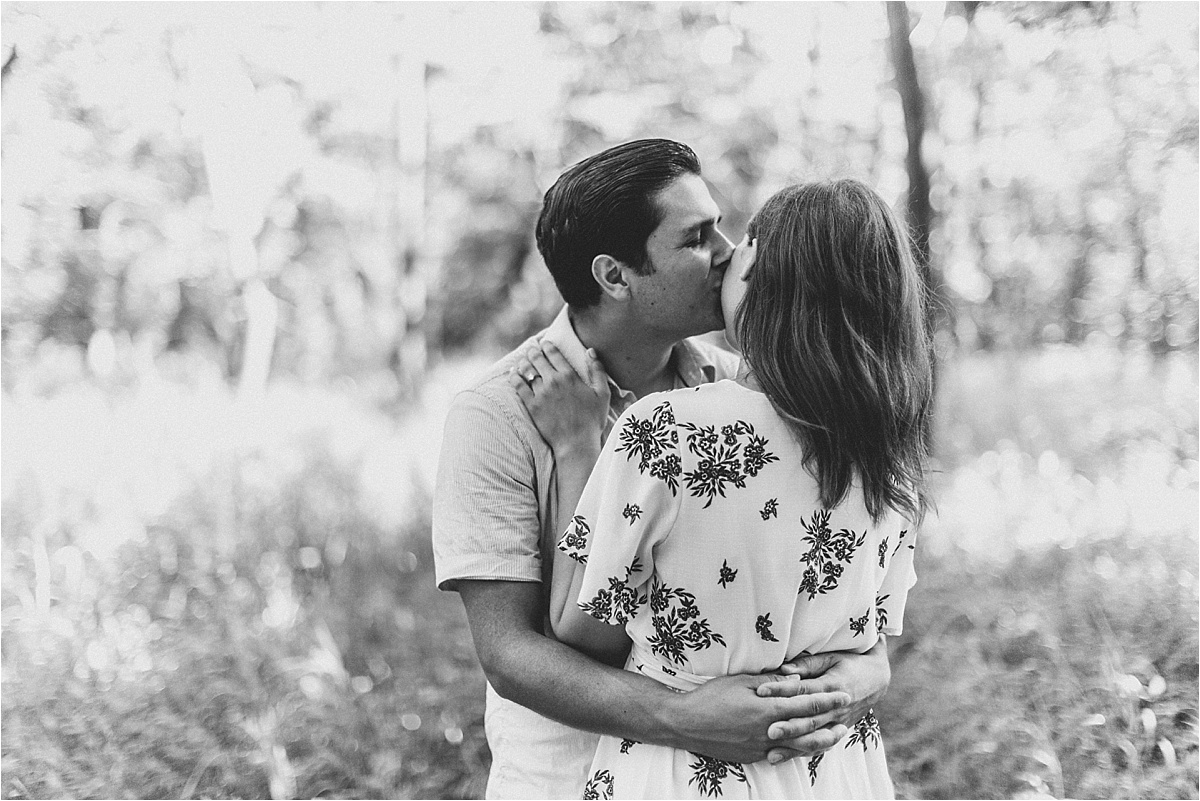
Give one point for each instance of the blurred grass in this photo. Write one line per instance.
(202, 599)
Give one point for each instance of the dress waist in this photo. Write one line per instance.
(643, 660)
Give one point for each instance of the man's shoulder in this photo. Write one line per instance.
(490, 390)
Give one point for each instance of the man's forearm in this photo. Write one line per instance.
(723, 718)
(563, 684)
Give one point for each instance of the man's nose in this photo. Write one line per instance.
(724, 249)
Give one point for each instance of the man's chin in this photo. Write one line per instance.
(709, 327)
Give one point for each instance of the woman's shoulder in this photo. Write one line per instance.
(715, 404)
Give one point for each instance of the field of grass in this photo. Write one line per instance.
(203, 598)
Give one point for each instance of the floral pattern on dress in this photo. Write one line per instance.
(828, 555)
(763, 627)
(702, 601)
(900, 541)
(865, 731)
(678, 626)
(728, 574)
(881, 613)
(858, 625)
(599, 787)
(709, 772)
(770, 509)
(813, 764)
(619, 602)
(574, 541)
(724, 460)
(654, 441)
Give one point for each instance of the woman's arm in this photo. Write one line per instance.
(569, 411)
(599, 640)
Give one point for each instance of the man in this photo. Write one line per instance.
(630, 236)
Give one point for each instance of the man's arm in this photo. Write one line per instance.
(479, 505)
(568, 410)
(724, 718)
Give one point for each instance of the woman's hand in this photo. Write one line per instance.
(743, 257)
(863, 677)
(568, 409)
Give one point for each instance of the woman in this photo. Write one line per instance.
(730, 527)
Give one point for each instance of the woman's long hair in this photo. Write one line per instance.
(834, 326)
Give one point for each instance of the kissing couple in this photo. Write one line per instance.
(680, 563)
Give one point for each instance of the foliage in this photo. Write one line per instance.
(1061, 145)
(307, 655)
(210, 597)
(274, 630)
(1058, 674)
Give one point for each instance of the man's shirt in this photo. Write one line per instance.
(494, 501)
(494, 509)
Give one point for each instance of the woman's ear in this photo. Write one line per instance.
(610, 275)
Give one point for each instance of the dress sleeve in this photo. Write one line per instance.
(628, 506)
(898, 579)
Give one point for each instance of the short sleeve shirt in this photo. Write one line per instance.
(494, 501)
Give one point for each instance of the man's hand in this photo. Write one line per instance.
(727, 719)
(864, 678)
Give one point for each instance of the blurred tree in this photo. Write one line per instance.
(918, 209)
(397, 185)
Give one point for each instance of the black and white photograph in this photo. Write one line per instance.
(599, 400)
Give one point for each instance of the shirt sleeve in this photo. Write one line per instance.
(898, 579)
(628, 506)
(485, 505)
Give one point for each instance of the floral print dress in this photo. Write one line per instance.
(701, 532)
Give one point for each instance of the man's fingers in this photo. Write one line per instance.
(808, 745)
(782, 687)
(791, 686)
(800, 727)
(811, 705)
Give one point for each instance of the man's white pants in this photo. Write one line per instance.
(534, 757)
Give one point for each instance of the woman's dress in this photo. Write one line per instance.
(701, 532)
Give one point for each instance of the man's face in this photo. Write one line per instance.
(688, 255)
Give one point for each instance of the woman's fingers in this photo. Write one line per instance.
(540, 363)
(518, 382)
(524, 368)
(596, 377)
(555, 358)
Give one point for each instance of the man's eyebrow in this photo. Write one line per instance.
(700, 224)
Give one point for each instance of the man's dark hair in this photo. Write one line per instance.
(606, 204)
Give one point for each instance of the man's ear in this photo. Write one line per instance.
(610, 275)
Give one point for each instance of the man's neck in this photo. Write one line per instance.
(635, 360)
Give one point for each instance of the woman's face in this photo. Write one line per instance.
(733, 286)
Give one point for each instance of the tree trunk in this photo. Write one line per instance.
(918, 209)
(410, 261)
(224, 105)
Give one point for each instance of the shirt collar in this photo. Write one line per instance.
(693, 367)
